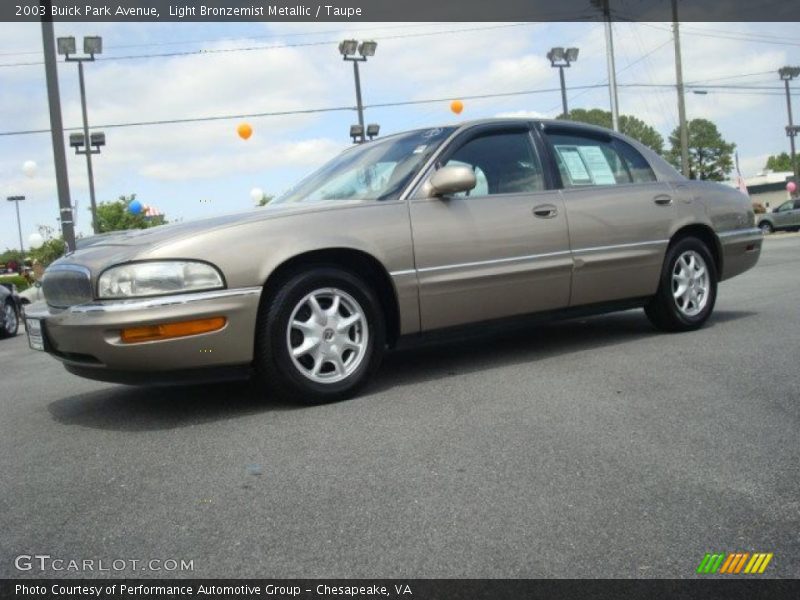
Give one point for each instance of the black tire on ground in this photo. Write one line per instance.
(273, 363)
(663, 309)
(766, 227)
(9, 327)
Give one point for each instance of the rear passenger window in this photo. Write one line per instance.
(639, 168)
(585, 161)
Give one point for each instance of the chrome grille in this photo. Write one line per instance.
(67, 285)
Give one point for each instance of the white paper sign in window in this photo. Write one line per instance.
(573, 162)
(598, 165)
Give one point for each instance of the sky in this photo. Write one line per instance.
(197, 169)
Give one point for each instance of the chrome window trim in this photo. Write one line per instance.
(116, 305)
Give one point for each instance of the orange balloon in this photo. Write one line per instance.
(457, 106)
(244, 130)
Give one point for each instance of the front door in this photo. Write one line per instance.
(501, 249)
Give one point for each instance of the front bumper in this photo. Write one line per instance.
(86, 337)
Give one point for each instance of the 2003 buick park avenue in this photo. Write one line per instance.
(414, 232)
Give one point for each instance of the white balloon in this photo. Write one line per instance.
(29, 168)
(256, 194)
(35, 240)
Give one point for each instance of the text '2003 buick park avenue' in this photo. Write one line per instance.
(414, 232)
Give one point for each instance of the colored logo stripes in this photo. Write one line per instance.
(734, 562)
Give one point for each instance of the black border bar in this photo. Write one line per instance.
(420, 589)
(396, 10)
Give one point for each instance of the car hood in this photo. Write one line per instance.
(103, 250)
(171, 232)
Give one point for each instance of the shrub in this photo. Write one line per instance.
(18, 280)
(759, 208)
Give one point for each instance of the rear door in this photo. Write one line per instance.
(501, 249)
(619, 215)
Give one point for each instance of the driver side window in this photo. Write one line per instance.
(503, 163)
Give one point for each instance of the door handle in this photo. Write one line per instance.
(545, 211)
(663, 199)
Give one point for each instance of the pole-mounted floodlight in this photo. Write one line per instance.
(556, 54)
(365, 49)
(357, 133)
(560, 58)
(372, 130)
(348, 47)
(92, 44)
(66, 45)
(789, 73)
(571, 54)
(76, 140)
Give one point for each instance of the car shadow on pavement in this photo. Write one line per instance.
(123, 408)
(495, 346)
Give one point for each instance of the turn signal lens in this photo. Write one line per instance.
(166, 331)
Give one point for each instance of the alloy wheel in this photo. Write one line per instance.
(690, 283)
(327, 335)
(10, 319)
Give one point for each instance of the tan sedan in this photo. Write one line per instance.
(414, 232)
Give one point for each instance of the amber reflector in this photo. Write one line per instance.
(171, 330)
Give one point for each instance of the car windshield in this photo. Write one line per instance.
(377, 170)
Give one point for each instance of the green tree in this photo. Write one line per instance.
(628, 124)
(48, 251)
(265, 199)
(115, 216)
(710, 156)
(779, 162)
(10, 255)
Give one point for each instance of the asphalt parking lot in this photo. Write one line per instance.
(589, 448)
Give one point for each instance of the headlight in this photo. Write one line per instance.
(157, 278)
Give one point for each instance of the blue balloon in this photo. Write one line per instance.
(135, 207)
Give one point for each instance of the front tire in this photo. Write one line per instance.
(687, 289)
(766, 227)
(10, 320)
(320, 337)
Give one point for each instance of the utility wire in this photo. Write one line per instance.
(716, 88)
(206, 52)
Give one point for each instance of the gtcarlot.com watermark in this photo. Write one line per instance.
(45, 563)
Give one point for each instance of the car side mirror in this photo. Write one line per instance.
(451, 180)
(775, 209)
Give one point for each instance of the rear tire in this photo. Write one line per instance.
(687, 289)
(320, 337)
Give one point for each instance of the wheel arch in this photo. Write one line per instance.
(358, 262)
(705, 234)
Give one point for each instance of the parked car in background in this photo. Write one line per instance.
(786, 217)
(32, 294)
(10, 304)
(418, 231)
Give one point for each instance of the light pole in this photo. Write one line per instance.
(348, 50)
(787, 74)
(561, 58)
(16, 200)
(91, 45)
